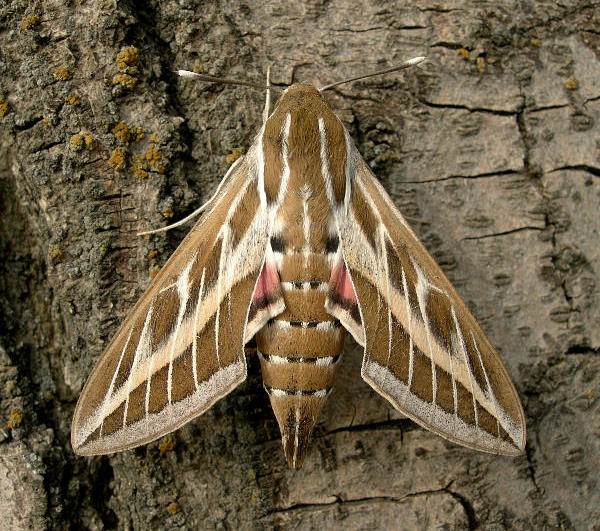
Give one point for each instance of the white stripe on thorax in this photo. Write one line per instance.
(325, 171)
(285, 176)
(260, 155)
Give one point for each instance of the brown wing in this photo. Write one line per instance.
(181, 348)
(424, 351)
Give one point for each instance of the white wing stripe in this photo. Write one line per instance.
(147, 397)
(195, 340)
(239, 264)
(112, 382)
(463, 350)
(144, 351)
(367, 263)
(515, 431)
(409, 319)
(497, 408)
(183, 292)
(422, 288)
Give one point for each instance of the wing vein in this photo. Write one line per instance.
(463, 348)
(143, 343)
(195, 330)
(112, 382)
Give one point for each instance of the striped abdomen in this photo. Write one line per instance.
(299, 352)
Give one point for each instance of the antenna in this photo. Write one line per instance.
(225, 81)
(406, 64)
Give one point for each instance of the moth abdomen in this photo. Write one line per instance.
(300, 350)
(299, 362)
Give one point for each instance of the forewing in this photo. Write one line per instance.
(424, 351)
(181, 348)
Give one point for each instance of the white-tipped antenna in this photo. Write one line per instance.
(406, 64)
(224, 80)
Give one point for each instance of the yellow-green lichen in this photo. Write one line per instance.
(15, 419)
(126, 65)
(80, 140)
(73, 100)
(121, 131)
(572, 84)
(29, 21)
(61, 73)
(167, 444)
(117, 159)
(155, 159)
(126, 134)
(125, 80)
(127, 58)
(55, 254)
(235, 154)
(174, 508)
(139, 168)
(481, 64)
(3, 107)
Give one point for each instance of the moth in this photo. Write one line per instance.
(299, 245)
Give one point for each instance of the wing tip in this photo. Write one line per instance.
(88, 441)
(371, 373)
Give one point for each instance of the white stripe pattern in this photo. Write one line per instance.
(305, 286)
(285, 360)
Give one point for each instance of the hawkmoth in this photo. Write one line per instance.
(299, 244)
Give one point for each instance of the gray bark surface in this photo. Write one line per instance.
(491, 149)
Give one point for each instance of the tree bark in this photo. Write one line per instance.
(491, 149)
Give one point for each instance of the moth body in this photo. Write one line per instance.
(299, 244)
(300, 348)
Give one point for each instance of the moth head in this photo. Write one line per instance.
(300, 95)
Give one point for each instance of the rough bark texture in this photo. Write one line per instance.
(491, 149)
